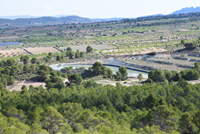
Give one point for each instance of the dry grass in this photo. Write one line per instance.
(12, 52)
(40, 50)
(17, 86)
(128, 82)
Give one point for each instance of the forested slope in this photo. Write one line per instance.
(92, 108)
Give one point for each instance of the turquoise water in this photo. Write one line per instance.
(131, 73)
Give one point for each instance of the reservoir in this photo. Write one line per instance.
(9, 43)
(131, 72)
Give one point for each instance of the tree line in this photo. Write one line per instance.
(99, 69)
(188, 74)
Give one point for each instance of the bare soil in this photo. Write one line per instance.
(128, 82)
(12, 52)
(18, 85)
(40, 50)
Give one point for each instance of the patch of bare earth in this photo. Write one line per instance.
(18, 85)
(128, 82)
(12, 52)
(40, 50)
(194, 82)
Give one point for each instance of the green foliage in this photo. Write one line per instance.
(98, 68)
(71, 55)
(54, 82)
(69, 51)
(188, 74)
(157, 76)
(155, 108)
(58, 58)
(123, 72)
(149, 80)
(77, 54)
(108, 73)
(197, 66)
(118, 76)
(186, 124)
(75, 79)
(66, 69)
(89, 49)
(24, 59)
(88, 107)
(82, 54)
(190, 45)
(34, 60)
(140, 77)
(182, 83)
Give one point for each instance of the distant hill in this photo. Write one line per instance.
(17, 17)
(29, 16)
(154, 15)
(107, 19)
(187, 10)
(26, 21)
(21, 22)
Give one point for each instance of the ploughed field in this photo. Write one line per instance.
(26, 51)
(40, 50)
(12, 52)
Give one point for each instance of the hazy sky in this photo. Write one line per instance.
(93, 8)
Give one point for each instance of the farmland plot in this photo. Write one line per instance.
(83, 47)
(12, 52)
(40, 50)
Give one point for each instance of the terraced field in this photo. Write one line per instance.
(83, 47)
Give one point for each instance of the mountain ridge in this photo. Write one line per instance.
(187, 10)
(28, 20)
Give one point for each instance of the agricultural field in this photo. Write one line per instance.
(41, 50)
(155, 65)
(133, 51)
(114, 38)
(172, 61)
(12, 52)
(83, 47)
(161, 33)
(139, 76)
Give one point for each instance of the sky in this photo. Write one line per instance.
(93, 8)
